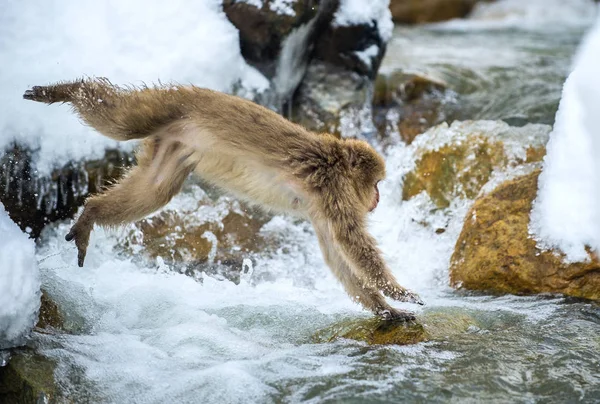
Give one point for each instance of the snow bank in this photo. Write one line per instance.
(19, 283)
(566, 213)
(185, 41)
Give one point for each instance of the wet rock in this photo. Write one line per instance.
(457, 161)
(431, 325)
(410, 104)
(50, 316)
(28, 378)
(196, 232)
(495, 252)
(424, 11)
(33, 200)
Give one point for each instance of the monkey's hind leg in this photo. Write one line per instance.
(61, 92)
(145, 189)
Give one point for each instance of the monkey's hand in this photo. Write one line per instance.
(391, 289)
(392, 314)
(80, 232)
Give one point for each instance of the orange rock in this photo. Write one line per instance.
(495, 252)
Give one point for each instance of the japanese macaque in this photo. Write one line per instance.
(245, 149)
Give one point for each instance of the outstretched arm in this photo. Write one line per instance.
(364, 258)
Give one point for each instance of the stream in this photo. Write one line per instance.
(140, 332)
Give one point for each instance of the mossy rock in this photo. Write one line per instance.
(455, 170)
(27, 378)
(457, 161)
(495, 252)
(431, 325)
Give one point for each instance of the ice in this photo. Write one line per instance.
(566, 213)
(19, 283)
(184, 41)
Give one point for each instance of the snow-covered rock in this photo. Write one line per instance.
(566, 213)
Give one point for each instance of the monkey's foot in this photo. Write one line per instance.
(81, 234)
(391, 314)
(37, 93)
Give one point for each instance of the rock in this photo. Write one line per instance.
(195, 230)
(331, 99)
(424, 11)
(495, 252)
(262, 30)
(431, 325)
(334, 71)
(410, 104)
(28, 378)
(50, 316)
(457, 161)
(33, 200)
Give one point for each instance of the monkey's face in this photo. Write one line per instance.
(375, 200)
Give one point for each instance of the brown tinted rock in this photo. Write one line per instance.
(423, 11)
(183, 237)
(33, 200)
(50, 315)
(495, 252)
(457, 161)
(418, 103)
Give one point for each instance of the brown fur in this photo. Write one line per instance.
(249, 150)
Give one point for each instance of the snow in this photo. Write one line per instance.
(19, 283)
(566, 213)
(184, 41)
(356, 12)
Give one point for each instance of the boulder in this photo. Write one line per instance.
(33, 200)
(197, 231)
(496, 253)
(457, 161)
(424, 11)
(431, 325)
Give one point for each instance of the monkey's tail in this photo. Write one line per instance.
(116, 112)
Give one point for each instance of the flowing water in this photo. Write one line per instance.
(143, 333)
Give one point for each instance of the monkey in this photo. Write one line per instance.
(247, 150)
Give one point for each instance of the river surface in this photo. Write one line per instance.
(143, 333)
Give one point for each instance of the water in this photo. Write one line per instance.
(140, 332)
(507, 73)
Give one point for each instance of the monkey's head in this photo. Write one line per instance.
(367, 168)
